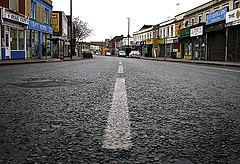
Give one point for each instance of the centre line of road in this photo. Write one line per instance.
(120, 69)
(118, 133)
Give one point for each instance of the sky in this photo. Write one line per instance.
(109, 18)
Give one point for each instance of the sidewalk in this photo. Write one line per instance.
(222, 63)
(31, 61)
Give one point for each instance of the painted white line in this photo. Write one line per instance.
(118, 133)
(120, 69)
(120, 62)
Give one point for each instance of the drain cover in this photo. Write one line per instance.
(41, 84)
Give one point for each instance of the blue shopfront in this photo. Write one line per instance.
(13, 32)
(38, 40)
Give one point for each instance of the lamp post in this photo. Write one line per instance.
(128, 51)
(71, 40)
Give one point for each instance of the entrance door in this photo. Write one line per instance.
(8, 51)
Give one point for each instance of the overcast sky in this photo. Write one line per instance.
(108, 18)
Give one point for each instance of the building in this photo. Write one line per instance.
(39, 28)
(233, 32)
(60, 36)
(143, 40)
(14, 24)
(167, 33)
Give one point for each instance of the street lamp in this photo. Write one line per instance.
(71, 30)
(128, 51)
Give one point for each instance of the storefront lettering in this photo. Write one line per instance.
(232, 16)
(216, 16)
(17, 18)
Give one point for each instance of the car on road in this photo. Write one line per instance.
(121, 54)
(108, 53)
(87, 54)
(134, 54)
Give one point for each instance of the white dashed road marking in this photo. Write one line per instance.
(118, 133)
(120, 69)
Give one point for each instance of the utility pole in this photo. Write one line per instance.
(128, 51)
(71, 53)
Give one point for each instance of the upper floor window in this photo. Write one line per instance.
(236, 4)
(167, 32)
(34, 10)
(186, 23)
(192, 21)
(200, 19)
(171, 30)
(14, 5)
(46, 16)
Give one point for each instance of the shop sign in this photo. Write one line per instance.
(216, 16)
(233, 16)
(161, 41)
(171, 40)
(185, 32)
(40, 27)
(197, 31)
(155, 43)
(16, 18)
(55, 22)
(149, 41)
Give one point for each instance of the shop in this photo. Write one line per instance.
(38, 40)
(13, 35)
(1, 21)
(233, 30)
(216, 35)
(198, 42)
(161, 43)
(185, 43)
(171, 45)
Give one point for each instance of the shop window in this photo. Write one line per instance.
(14, 5)
(13, 39)
(21, 40)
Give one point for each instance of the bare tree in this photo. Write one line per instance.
(81, 29)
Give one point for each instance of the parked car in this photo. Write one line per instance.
(121, 54)
(134, 54)
(87, 54)
(108, 53)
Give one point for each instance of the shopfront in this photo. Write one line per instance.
(13, 35)
(216, 35)
(185, 43)
(38, 40)
(233, 30)
(171, 44)
(147, 50)
(161, 43)
(198, 42)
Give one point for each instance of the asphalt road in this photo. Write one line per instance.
(119, 110)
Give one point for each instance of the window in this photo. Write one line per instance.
(46, 16)
(171, 30)
(186, 23)
(13, 39)
(167, 31)
(192, 21)
(34, 10)
(236, 4)
(21, 39)
(2, 35)
(14, 5)
(200, 19)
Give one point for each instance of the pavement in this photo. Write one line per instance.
(29, 61)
